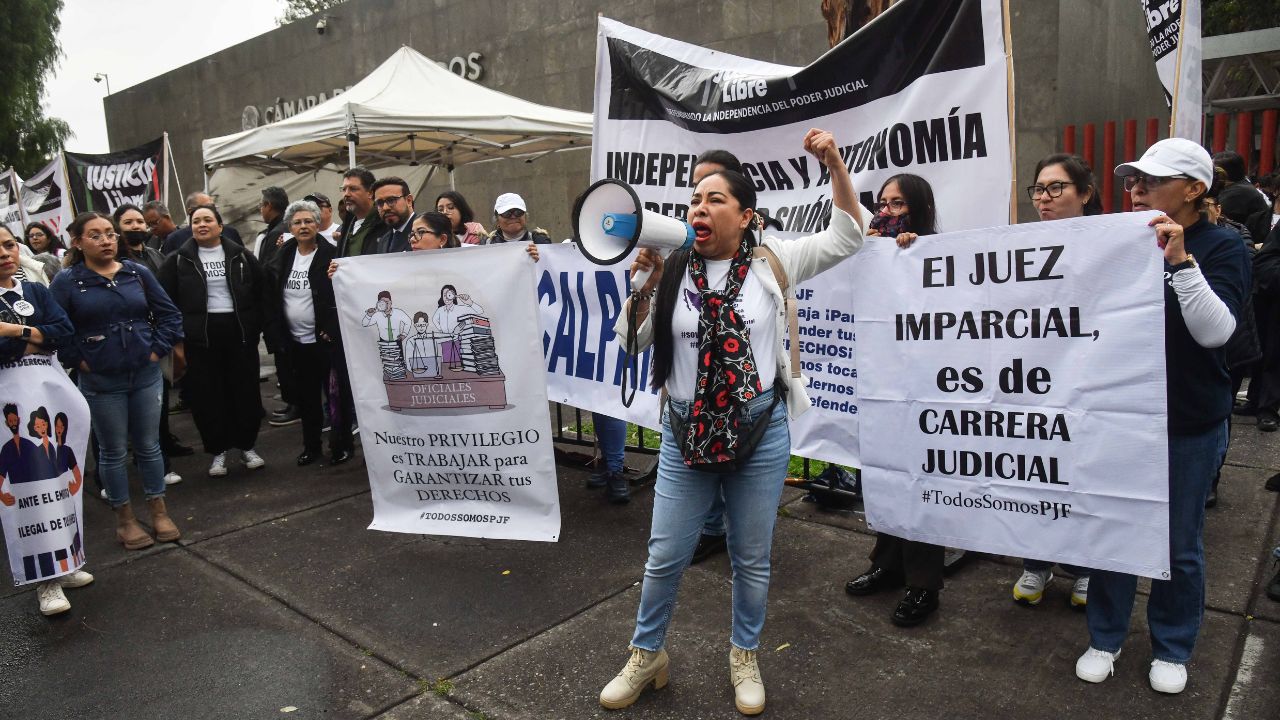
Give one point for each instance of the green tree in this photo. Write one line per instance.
(1232, 16)
(28, 52)
(302, 9)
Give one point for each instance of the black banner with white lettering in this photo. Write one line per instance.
(105, 182)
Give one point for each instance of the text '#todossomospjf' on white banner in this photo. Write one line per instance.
(1013, 392)
(453, 411)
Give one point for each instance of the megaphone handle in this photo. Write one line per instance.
(640, 277)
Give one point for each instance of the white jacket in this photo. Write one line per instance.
(801, 259)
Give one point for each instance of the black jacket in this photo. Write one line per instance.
(391, 240)
(182, 276)
(537, 236)
(267, 247)
(179, 237)
(368, 235)
(326, 308)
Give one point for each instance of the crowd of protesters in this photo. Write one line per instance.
(136, 303)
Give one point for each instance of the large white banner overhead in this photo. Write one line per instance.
(45, 200)
(1013, 392)
(922, 89)
(454, 419)
(10, 207)
(1173, 30)
(42, 455)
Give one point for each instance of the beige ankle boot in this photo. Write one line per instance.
(748, 688)
(166, 531)
(643, 668)
(129, 532)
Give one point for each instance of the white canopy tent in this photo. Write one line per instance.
(407, 112)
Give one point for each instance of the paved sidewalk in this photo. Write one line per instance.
(278, 603)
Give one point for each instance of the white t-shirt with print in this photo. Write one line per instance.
(214, 260)
(754, 306)
(299, 307)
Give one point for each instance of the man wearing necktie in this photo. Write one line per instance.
(394, 203)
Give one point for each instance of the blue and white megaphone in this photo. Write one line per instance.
(609, 223)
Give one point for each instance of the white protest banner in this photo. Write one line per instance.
(41, 506)
(578, 303)
(453, 410)
(44, 198)
(1013, 391)
(1173, 30)
(10, 208)
(922, 89)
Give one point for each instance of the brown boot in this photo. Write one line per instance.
(129, 532)
(166, 531)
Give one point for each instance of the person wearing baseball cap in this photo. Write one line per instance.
(327, 225)
(511, 218)
(1206, 278)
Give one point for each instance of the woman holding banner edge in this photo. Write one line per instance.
(715, 388)
(1206, 278)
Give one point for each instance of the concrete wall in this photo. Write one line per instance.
(545, 52)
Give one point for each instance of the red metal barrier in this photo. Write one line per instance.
(1090, 130)
(1244, 135)
(1153, 133)
(1069, 139)
(1108, 162)
(1220, 122)
(1269, 131)
(1130, 153)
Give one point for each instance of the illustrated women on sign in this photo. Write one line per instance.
(451, 307)
(66, 457)
(420, 348)
(44, 464)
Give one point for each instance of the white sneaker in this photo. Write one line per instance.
(748, 688)
(253, 460)
(77, 579)
(1167, 677)
(1096, 665)
(52, 599)
(218, 468)
(1080, 592)
(172, 478)
(1029, 590)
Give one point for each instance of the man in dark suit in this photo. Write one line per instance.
(177, 238)
(274, 202)
(394, 202)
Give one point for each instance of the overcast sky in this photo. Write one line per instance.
(135, 40)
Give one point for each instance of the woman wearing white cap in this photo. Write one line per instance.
(1206, 278)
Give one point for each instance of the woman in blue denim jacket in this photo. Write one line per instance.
(124, 323)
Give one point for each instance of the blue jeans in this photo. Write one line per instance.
(682, 497)
(1176, 606)
(611, 433)
(125, 408)
(1041, 565)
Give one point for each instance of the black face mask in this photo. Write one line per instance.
(136, 237)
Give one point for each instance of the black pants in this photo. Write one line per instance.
(223, 381)
(308, 365)
(344, 406)
(919, 563)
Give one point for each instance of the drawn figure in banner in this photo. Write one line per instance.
(393, 325)
(66, 459)
(451, 310)
(17, 455)
(44, 464)
(423, 356)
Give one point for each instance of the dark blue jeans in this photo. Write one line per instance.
(1176, 606)
(611, 432)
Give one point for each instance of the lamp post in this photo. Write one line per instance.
(102, 77)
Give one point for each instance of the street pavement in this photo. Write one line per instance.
(279, 603)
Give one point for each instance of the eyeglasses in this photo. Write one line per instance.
(99, 237)
(1211, 204)
(420, 233)
(1150, 181)
(892, 204)
(1053, 190)
(389, 200)
(303, 221)
(513, 214)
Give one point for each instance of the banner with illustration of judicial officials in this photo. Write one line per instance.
(10, 207)
(105, 182)
(44, 198)
(42, 455)
(442, 349)
(1012, 392)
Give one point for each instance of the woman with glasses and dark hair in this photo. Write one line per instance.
(46, 248)
(1206, 279)
(124, 324)
(905, 211)
(453, 205)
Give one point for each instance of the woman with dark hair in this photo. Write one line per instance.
(1206, 279)
(44, 465)
(449, 308)
(66, 458)
(432, 231)
(717, 326)
(46, 248)
(302, 322)
(453, 205)
(220, 289)
(124, 324)
(905, 211)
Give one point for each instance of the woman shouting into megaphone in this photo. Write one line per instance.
(716, 316)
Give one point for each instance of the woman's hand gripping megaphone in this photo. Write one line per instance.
(646, 272)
